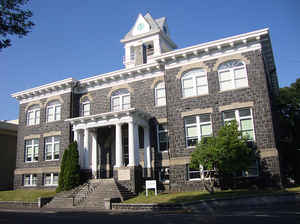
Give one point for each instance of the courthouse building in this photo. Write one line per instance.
(144, 121)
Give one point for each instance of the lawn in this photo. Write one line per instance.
(25, 195)
(200, 195)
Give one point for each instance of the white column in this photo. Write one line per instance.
(78, 138)
(131, 144)
(76, 135)
(94, 154)
(147, 156)
(137, 144)
(119, 150)
(86, 148)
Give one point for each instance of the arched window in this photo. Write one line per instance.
(232, 75)
(120, 100)
(160, 94)
(33, 115)
(194, 83)
(53, 111)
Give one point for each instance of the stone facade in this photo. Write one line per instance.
(97, 133)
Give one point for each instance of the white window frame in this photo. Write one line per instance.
(166, 170)
(158, 138)
(198, 126)
(52, 144)
(55, 106)
(160, 86)
(32, 180)
(51, 179)
(193, 75)
(231, 75)
(239, 119)
(35, 150)
(35, 110)
(86, 112)
(122, 105)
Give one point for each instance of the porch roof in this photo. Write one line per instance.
(109, 118)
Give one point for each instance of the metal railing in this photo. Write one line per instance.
(81, 193)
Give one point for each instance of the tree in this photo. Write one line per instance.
(224, 154)
(13, 20)
(288, 105)
(69, 176)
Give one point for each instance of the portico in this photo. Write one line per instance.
(119, 147)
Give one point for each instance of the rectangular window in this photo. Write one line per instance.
(188, 87)
(51, 179)
(244, 119)
(52, 148)
(125, 102)
(197, 127)
(116, 104)
(86, 107)
(164, 174)
(53, 112)
(162, 135)
(29, 179)
(32, 150)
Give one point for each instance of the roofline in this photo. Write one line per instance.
(215, 43)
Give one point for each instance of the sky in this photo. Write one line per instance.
(81, 38)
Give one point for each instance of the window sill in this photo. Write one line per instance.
(31, 161)
(50, 185)
(190, 147)
(165, 181)
(30, 185)
(47, 160)
(227, 90)
(49, 122)
(190, 97)
(165, 151)
(161, 105)
(32, 125)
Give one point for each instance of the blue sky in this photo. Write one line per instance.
(82, 38)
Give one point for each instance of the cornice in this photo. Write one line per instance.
(47, 89)
(212, 47)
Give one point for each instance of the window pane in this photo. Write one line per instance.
(55, 178)
(50, 114)
(229, 114)
(201, 80)
(202, 90)
(244, 112)
(56, 151)
(192, 141)
(162, 127)
(161, 101)
(56, 138)
(48, 152)
(47, 179)
(204, 118)
(163, 137)
(205, 130)
(163, 146)
(190, 120)
(160, 93)
(224, 85)
(187, 83)
(188, 92)
(86, 109)
(246, 124)
(27, 180)
(225, 76)
(57, 112)
(191, 131)
(33, 179)
(248, 134)
(240, 73)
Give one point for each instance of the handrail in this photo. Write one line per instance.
(77, 197)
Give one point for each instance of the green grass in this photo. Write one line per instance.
(200, 195)
(25, 195)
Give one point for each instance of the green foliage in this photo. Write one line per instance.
(227, 152)
(13, 20)
(69, 176)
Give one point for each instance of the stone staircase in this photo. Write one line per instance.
(91, 195)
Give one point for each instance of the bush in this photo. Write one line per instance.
(69, 176)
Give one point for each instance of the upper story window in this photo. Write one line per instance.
(32, 150)
(53, 112)
(197, 127)
(33, 115)
(86, 108)
(120, 100)
(244, 119)
(194, 83)
(232, 75)
(160, 94)
(52, 148)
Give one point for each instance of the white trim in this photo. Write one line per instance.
(85, 103)
(51, 179)
(33, 146)
(156, 98)
(36, 115)
(209, 56)
(31, 180)
(54, 107)
(52, 144)
(190, 74)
